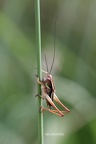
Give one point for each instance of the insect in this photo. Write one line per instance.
(48, 93)
(48, 90)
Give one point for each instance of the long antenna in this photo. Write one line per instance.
(54, 45)
(46, 63)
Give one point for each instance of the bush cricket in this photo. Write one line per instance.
(48, 90)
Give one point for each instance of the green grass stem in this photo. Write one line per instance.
(39, 73)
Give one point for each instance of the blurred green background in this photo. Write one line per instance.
(74, 70)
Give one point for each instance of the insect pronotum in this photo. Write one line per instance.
(48, 89)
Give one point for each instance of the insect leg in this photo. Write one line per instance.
(51, 111)
(61, 111)
(58, 101)
(44, 71)
(51, 102)
(38, 80)
(40, 96)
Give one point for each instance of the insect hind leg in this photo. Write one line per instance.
(51, 111)
(59, 102)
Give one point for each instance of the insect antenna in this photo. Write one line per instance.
(46, 63)
(54, 45)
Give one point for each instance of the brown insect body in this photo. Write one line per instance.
(48, 88)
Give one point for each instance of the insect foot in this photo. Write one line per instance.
(36, 75)
(39, 96)
(36, 95)
(41, 109)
